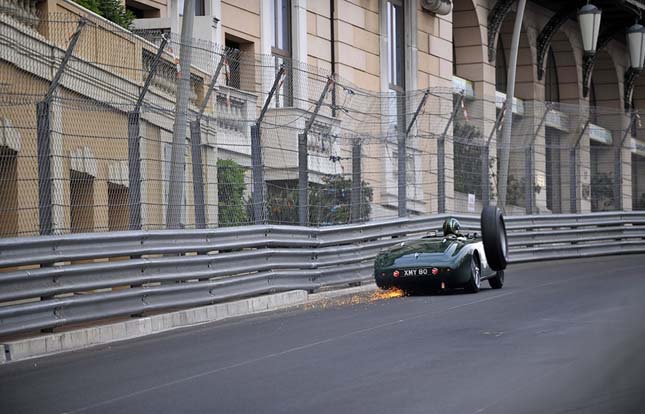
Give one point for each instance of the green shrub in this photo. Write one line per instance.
(112, 10)
(230, 192)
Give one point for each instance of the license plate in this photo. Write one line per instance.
(415, 272)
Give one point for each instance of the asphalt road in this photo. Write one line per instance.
(561, 337)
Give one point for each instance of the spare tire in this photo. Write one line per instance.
(494, 237)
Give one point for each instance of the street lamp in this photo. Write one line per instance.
(636, 43)
(589, 19)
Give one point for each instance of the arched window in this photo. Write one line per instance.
(551, 84)
(500, 67)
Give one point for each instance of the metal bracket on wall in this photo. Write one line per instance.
(495, 20)
(630, 79)
(590, 60)
(546, 35)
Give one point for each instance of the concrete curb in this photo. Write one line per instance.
(99, 335)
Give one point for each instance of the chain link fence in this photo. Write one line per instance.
(89, 143)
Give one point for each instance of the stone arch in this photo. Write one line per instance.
(468, 41)
(568, 66)
(606, 81)
(526, 78)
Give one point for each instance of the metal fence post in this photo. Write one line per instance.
(43, 125)
(528, 171)
(198, 173)
(134, 145)
(134, 170)
(485, 182)
(303, 161)
(43, 114)
(355, 202)
(303, 180)
(618, 163)
(573, 165)
(529, 158)
(402, 174)
(441, 162)
(259, 210)
(403, 154)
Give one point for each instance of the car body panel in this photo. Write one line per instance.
(450, 255)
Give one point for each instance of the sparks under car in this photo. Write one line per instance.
(451, 260)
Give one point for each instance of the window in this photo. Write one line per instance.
(9, 193)
(395, 45)
(500, 67)
(551, 85)
(200, 8)
(281, 47)
(81, 206)
(233, 52)
(281, 36)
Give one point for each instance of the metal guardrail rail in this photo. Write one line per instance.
(52, 281)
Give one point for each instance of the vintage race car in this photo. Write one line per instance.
(449, 260)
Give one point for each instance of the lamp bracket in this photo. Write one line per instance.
(590, 60)
(630, 79)
(547, 33)
(495, 20)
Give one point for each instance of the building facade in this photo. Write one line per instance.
(577, 143)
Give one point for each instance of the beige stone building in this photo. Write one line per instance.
(390, 47)
(463, 45)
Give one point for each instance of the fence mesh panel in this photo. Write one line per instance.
(84, 156)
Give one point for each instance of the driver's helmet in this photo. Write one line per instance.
(451, 226)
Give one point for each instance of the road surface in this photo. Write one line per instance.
(561, 337)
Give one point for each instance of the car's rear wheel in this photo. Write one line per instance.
(474, 283)
(497, 281)
(382, 285)
(494, 237)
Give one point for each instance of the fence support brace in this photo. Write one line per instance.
(485, 154)
(43, 123)
(618, 161)
(528, 165)
(134, 145)
(357, 182)
(402, 159)
(573, 162)
(303, 164)
(441, 161)
(196, 151)
(259, 208)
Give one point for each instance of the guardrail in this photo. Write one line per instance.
(52, 281)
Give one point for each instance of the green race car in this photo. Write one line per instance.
(451, 260)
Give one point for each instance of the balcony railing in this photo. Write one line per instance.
(24, 12)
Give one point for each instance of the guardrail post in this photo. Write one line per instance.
(355, 202)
